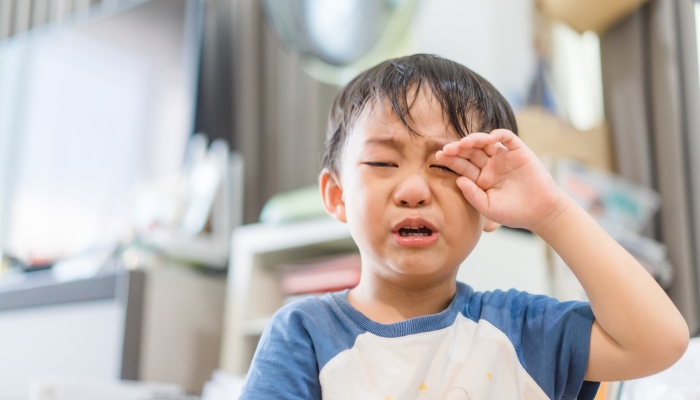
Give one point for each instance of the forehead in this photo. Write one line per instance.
(381, 126)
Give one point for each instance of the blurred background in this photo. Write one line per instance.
(159, 160)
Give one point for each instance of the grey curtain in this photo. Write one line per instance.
(279, 112)
(652, 103)
(17, 16)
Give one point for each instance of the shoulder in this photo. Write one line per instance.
(531, 319)
(285, 362)
(291, 324)
(300, 310)
(315, 322)
(300, 318)
(551, 338)
(507, 306)
(311, 313)
(295, 345)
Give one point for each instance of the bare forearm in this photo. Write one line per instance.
(627, 303)
(637, 330)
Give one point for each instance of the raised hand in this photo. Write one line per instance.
(503, 179)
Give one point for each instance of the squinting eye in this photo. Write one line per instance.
(444, 168)
(381, 164)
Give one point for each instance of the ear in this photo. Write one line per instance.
(490, 226)
(332, 195)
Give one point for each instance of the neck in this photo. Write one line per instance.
(386, 301)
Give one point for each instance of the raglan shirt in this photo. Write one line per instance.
(490, 345)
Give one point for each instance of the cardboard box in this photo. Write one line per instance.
(584, 15)
(547, 135)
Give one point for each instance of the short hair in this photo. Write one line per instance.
(469, 102)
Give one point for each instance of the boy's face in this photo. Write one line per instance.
(404, 209)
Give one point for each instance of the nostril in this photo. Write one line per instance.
(405, 203)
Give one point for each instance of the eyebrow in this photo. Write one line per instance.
(385, 142)
(432, 146)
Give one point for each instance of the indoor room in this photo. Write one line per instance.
(349, 199)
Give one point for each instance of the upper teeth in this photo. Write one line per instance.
(414, 231)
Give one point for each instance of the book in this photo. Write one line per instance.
(321, 275)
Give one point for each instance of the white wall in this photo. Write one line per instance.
(505, 259)
(494, 38)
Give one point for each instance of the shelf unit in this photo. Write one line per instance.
(253, 288)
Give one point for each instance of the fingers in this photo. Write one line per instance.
(502, 138)
(473, 140)
(510, 140)
(459, 165)
(474, 195)
(479, 147)
(477, 157)
(495, 149)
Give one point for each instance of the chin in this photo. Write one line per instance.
(419, 267)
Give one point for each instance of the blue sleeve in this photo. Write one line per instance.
(552, 339)
(284, 365)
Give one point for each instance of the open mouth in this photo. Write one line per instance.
(415, 231)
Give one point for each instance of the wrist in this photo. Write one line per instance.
(558, 217)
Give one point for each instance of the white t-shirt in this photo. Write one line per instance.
(491, 345)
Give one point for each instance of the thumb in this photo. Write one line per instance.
(474, 194)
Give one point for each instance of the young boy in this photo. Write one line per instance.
(421, 158)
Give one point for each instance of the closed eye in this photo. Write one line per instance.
(442, 167)
(381, 164)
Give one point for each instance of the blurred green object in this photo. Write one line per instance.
(295, 205)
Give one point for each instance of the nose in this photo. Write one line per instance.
(413, 192)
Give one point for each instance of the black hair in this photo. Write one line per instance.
(469, 102)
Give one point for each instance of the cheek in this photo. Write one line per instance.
(464, 221)
(365, 201)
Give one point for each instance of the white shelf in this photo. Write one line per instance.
(253, 291)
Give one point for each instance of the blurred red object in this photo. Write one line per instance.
(322, 275)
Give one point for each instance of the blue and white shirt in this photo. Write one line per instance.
(491, 345)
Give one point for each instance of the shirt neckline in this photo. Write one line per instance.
(422, 324)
